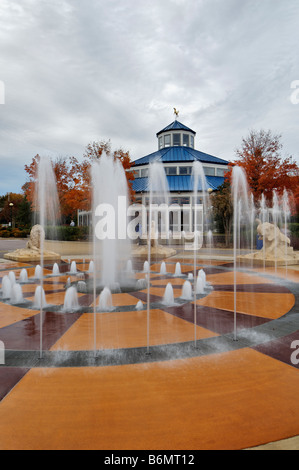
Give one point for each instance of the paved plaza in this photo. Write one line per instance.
(114, 381)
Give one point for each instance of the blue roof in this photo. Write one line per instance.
(179, 183)
(175, 126)
(179, 154)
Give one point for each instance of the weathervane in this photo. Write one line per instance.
(176, 112)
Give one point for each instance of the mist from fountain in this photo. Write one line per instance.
(145, 267)
(200, 286)
(38, 272)
(55, 270)
(178, 269)
(6, 287)
(23, 276)
(73, 269)
(39, 298)
(105, 300)
(71, 302)
(12, 277)
(187, 291)
(16, 296)
(139, 306)
(163, 270)
(91, 267)
(168, 298)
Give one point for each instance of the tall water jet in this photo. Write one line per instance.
(199, 183)
(187, 291)
(158, 197)
(252, 213)
(111, 244)
(240, 194)
(263, 210)
(105, 300)
(286, 215)
(168, 298)
(71, 302)
(276, 212)
(47, 210)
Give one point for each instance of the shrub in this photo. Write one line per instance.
(67, 233)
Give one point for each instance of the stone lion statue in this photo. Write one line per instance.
(37, 235)
(274, 240)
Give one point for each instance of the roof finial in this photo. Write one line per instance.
(176, 112)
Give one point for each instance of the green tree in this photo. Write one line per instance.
(223, 210)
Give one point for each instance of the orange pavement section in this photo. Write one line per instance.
(233, 400)
(268, 305)
(10, 314)
(128, 330)
(241, 278)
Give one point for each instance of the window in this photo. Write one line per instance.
(185, 170)
(167, 140)
(209, 171)
(192, 141)
(144, 173)
(176, 139)
(160, 142)
(186, 140)
(221, 171)
(170, 170)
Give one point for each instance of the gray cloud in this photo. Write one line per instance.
(81, 71)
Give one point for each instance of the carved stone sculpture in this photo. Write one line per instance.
(32, 252)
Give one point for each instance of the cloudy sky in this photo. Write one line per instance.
(79, 71)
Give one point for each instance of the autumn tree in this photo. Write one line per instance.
(266, 169)
(73, 177)
(72, 184)
(95, 150)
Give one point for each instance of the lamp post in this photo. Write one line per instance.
(11, 206)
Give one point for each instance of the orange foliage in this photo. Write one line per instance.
(73, 177)
(266, 170)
